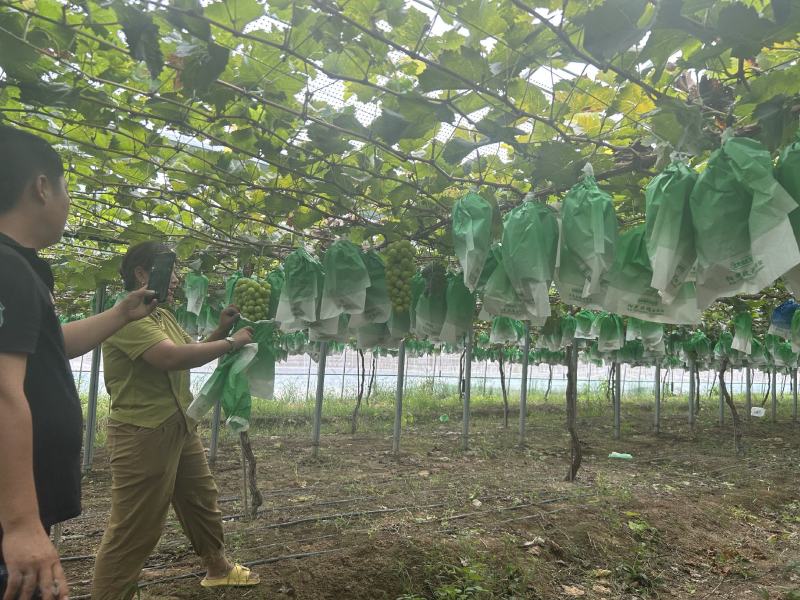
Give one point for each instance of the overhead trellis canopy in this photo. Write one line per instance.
(240, 127)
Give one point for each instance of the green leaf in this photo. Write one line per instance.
(557, 162)
(681, 125)
(613, 27)
(777, 121)
(466, 64)
(234, 13)
(16, 58)
(188, 15)
(740, 28)
(305, 217)
(457, 149)
(142, 36)
(202, 64)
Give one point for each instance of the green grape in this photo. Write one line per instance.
(252, 298)
(399, 271)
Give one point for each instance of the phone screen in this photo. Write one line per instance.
(161, 275)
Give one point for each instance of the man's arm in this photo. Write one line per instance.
(81, 336)
(26, 547)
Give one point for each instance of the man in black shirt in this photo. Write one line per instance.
(40, 412)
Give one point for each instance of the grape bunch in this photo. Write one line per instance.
(399, 271)
(252, 298)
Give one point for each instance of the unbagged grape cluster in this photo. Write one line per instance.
(252, 298)
(399, 271)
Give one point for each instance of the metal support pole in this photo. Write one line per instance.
(722, 402)
(657, 423)
(323, 358)
(94, 385)
(485, 368)
(774, 394)
(398, 398)
(344, 369)
(617, 399)
(523, 391)
(691, 393)
(308, 378)
(467, 390)
(212, 451)
(794, 395)
(748, 391)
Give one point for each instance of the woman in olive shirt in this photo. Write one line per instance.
(157, 458)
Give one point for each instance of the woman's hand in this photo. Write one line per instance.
(137, 305)
(242, 337)
(228, 318)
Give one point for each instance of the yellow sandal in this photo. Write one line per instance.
(239, 576)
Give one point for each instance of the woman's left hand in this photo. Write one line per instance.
(137, 304)
(228, 318)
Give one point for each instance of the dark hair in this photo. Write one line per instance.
(23, 156)
(140, 255)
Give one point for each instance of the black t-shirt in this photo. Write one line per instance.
(29, 325)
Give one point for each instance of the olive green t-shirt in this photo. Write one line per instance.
(141, 394)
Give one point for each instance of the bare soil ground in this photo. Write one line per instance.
(684, 519)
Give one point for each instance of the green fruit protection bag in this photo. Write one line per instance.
(787, 172)
(250, 371)
(795, 328)
(195, 286)
(740, 215)
(669, 234)
(584, 321)
(460, 310)
(506, 331)
(609, 331)
(187, 320)
(651, 334)
(399, 325)
(301, 290)
(417, 289)
(492, 260)
(208, 320)
(628, 289)
(377, 306)
(346, 280)
(569, 325)
(373, 335)
(588, 243)
(723, 350)
(530, 247)
(430, 313)
(335, 329)
(631, 353)
(275, 279)
(550, 336)
(698, 348)
(743, 332)
(500, 299)
(472, 235)
(758, 356)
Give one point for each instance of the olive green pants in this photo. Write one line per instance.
(152, 468)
